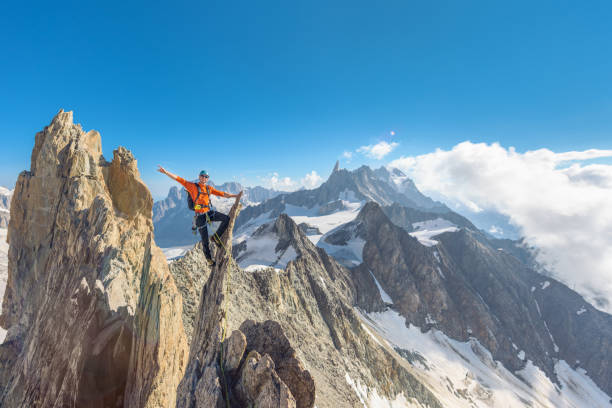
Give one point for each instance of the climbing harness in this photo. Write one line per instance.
(194, 226)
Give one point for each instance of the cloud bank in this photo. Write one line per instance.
(561, 204)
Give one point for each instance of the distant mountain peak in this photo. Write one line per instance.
(336, 167)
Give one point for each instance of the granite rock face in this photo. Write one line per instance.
(269, 339)
(91, 309)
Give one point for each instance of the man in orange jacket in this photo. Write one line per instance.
(200, 194)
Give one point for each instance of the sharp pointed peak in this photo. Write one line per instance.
(336, 167)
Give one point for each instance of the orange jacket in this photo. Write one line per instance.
(204, 199)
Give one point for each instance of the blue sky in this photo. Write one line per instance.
(245, 89)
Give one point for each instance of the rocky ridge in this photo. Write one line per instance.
(255, 366)
(311, 299)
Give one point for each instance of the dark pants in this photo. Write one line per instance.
(203, 228)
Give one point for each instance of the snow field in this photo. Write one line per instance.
(464, 374)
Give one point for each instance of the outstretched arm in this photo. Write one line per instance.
(228, 195)
(167, 173)
(223, 193)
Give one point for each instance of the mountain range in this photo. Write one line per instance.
(437, 271)
(361, 292)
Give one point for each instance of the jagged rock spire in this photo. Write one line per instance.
(92, 311)
(336, 167)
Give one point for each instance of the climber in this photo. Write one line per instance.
(200, 194)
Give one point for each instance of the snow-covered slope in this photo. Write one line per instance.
(463, 374)
(264, 249)
(172, 253)
(322, 218)
(5, 204)
(3, 271)
(257, 245)
(5, 191)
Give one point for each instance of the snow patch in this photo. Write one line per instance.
(430, 320)
(551, 338)
(521, 355)
(425, 230)
(384, 295)
(544, 285)
(256, 268)
(538, 307)
(581, 311)
(173, 253)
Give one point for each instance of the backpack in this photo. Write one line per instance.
(191, 201)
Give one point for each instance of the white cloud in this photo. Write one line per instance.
(379, 150)
(564, 211)
(311, 180)
(276, 182)
(347, 155)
